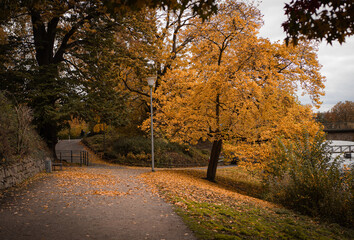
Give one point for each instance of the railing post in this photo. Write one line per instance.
(80, 158)
(87, 158)
(71, 156)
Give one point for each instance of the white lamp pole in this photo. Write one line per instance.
(151, 82)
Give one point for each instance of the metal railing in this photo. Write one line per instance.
(346, 149)
(73, 156)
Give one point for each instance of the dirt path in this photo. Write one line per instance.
(96, 202)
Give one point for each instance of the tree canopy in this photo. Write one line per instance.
(91, 59)
(341, 116)
(58, 58)
(329, 20)
(236, 87)
(49, 61)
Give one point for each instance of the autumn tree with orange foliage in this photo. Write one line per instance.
(341, 116)
(237, 88)
(343, 112)
(170, 32)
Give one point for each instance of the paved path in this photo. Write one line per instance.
(73, 144)
(96, 202)
(69, 150)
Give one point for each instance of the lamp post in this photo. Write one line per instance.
(151, 82)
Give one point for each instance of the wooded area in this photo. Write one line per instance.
(80, 68)
(90, 59)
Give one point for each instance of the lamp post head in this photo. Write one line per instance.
(151, 81)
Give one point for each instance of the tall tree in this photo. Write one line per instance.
(236, 87)
(46, 36)
(170, 39)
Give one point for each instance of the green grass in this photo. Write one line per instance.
(224, 210)
(241, 181)
(219, 221)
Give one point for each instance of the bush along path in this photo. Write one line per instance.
(96, 202)
(136, 151)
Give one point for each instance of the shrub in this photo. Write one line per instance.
(136, 150)
(7, 128)
(24, 130)
(303, 176)
(95, 142)
(17, 135)
(135, 145)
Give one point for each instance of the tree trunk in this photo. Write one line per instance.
(214, 158)
(46, 88)
(48, 131)
(46, 113)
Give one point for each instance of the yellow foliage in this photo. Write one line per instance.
(100, 127)
(238, 87)
(76, 125)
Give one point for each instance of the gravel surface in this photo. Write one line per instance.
(96, 202)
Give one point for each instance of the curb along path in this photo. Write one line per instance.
(96, 202)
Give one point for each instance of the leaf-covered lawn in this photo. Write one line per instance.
(230, 209)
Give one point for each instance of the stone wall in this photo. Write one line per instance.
(18, 172)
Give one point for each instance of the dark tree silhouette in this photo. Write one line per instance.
(329, 20)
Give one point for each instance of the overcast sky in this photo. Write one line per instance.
(337, 60)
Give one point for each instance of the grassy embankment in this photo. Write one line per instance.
(136, 151)
(232, 207)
